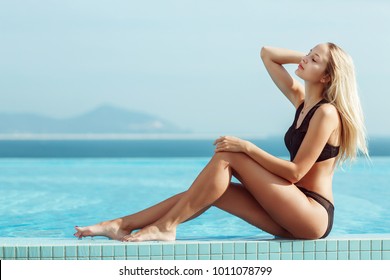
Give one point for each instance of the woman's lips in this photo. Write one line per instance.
(300, 66)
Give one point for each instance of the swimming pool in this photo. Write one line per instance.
(45, 198)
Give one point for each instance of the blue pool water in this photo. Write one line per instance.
(47, 197)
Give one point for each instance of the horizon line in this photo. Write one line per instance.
(139, 136)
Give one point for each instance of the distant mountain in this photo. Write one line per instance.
(104, 119)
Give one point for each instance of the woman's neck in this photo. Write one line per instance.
(313, 93)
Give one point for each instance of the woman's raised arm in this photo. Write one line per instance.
(273, 59)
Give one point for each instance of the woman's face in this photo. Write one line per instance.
(313, 65)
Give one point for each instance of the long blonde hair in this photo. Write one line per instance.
(341, 91)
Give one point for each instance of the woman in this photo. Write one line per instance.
(291, 199)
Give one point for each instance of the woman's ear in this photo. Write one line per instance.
(325, 79)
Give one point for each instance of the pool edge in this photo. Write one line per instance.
(347, 247)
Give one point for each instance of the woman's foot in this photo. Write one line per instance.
(111, 229)
(151, 233)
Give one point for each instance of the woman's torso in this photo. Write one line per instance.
(319, 178)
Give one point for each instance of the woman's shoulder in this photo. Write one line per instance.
(328, 109)
(328, 112)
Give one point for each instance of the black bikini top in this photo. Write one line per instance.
(294, 136)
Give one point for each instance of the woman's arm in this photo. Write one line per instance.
(280, 167)
(322, 125)
(273, 59)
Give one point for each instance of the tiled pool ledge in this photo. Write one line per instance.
(349, 247)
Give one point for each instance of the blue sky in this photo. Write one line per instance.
(195, 63)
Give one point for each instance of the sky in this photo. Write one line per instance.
(193, 63)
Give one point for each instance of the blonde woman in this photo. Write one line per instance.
(287, 198)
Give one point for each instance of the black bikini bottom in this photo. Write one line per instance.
(325, 203)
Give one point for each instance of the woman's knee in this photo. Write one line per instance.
(221, 158)
(229, 157)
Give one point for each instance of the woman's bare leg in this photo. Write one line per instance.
(236, 200)
(118, 228)
(285, 205)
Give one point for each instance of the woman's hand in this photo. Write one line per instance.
(230, 144)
